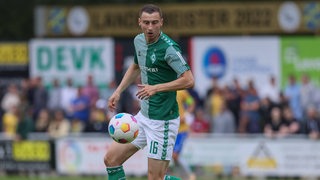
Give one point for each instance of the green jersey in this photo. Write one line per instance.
(159, 62)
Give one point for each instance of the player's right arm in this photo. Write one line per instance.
(129, 77)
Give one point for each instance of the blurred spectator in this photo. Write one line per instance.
(273, 126)
(265, 109)
(40, 96)
(10, 122)
(2, 92)
(106, 93)
(201, 123)
(224, 121)
(195, 95)
(236, 87)
(42, 121)
(270, 90)
(55, 95)
(214, 102)
(77, 127)
(308, 93)
(292, 93)
(283, 100)
(26, 124)
(80, 111)
(30, 88)
(11, 99)
(68, 93)
(91, 91)
(292, 125)
(311, 124)
(214, 85)
(250, 121)
(24, 90)
(233, 100)
(97, 121)
(59, 126)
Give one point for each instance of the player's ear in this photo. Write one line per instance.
(139, 21)
(161, 21)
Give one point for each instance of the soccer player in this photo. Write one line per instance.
(186, 105)
(163, 71)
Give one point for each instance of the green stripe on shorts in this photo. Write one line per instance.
(165, 140)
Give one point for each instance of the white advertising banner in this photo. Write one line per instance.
(227, 58)
(74, 58)
(85, 156)
(256, 156)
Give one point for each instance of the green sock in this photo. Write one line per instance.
(116, 173)
(167, 177)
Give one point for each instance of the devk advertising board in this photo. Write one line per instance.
(72, 58)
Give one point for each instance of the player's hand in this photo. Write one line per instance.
(113, 101)
(145, 91)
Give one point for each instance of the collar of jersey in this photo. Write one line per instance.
(156, 40)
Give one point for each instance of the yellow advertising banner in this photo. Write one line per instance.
(31, 151)
(13, 54)
(186, 19)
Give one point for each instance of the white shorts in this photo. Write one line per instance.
(158, 135)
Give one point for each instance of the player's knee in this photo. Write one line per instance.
(110, 161)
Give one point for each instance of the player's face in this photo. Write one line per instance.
(151, 25)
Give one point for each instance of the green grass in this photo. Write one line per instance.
(43, 177)
(56, 177)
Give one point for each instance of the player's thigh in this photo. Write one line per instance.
(117, 154)
(157, 168)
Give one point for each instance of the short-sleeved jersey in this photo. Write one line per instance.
(159, 62)
(184, 100)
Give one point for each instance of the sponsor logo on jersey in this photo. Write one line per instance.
(148, 69)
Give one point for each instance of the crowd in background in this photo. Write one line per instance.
(64, 108)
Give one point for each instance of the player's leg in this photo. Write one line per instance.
(161, 136)
(157, 168)
(117, 154)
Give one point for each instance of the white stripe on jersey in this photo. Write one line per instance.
(181, 58)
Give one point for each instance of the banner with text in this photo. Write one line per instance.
(14, 59)
(84, 155)
(300, 55)
(256, 156)
(25, 155)
(74, 58)
(243, 58)
(181, 19)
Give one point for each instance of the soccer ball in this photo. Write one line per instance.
(123, 128)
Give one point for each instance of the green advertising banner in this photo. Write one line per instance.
(300, 55)
(72, 58)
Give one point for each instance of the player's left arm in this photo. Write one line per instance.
(185, 81)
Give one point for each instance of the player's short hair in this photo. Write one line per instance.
(150, 8)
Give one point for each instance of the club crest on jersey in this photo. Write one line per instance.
(153, 58)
